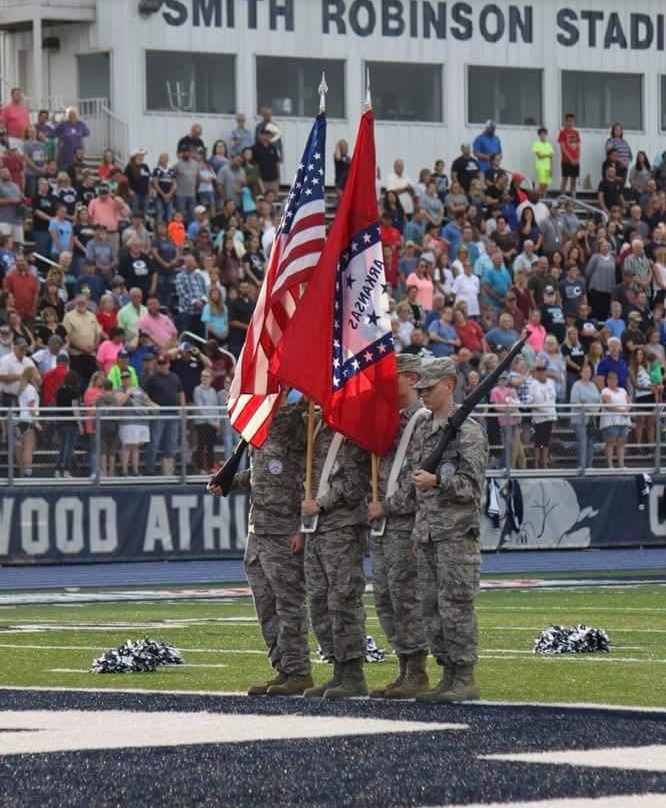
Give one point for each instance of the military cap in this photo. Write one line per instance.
(432, 372)
(409, 363)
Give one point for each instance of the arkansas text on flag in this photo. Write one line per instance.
(338, 347)
(254, 396)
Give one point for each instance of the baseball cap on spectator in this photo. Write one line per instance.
(518, 177)
(123, 354)
(62, 357)
(149, 357)
(162, 359)
(5, 329)
(137, 151)
(200, 209)
(125, 374)
(541, 365)
(490, 124)
(491, 174)
(117, 280)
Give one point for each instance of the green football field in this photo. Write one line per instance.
(54, 645)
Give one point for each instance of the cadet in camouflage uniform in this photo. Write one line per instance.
(274, 552)
(446, 532)
(394, 574)
(334, 564)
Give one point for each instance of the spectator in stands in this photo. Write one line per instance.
(613, 361)
(12, 365)
(45, 358)
(83, 336)
(165, 389)
(71, 134)
(556, 368)
(552, 315)
(508, 418)
(543, 152)
(469, 332)
(615, 419)
(610, 191)
(231, 179)
(600, 277)
(553, 230)
(423, 284)
(108, 429)
(134, 432)
(15, 116)
(643, 396)
(11, 200)
(215, 316)
(192, 143)
(20, 329)
(164, 188)
(52, 379)
(108, 165)
(403, 186)
(241, 137)
(138, 179)
(28, 424)
(640, 175)
(570, 142)
(69, 422)
(22, 284)
(465, 289)
(585, 399)
(544, 413)
(51, 321)
(136, 267)
(240, 311)
(90, 283)
(188, 362)
(495, 282)
(108, 210)
(486, 145)
(442, 335)
(207, 423)
(465, 168)
(166, 257)
(632, 336)
(92, 393)
(574, 357)
(121, 365)
(186, 171)
(267, 156)
(108, 350)
(511, 307)
(159, 327)
(637, 267)
(504, 336)
(191, 295)
(617, 143)
(130, 313)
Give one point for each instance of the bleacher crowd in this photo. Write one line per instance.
(132, 286)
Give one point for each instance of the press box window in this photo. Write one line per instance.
(290, 86)
(598, 100)
(178, 81)
(662, 87)
(507, 95)
(406, 92)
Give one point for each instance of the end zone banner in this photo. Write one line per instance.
(120, 524)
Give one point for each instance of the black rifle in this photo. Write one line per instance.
(463, 412)
(225, 476)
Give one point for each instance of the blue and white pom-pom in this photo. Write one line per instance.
(141, 656)
(579, 639)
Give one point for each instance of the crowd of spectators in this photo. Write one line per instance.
(132, 287)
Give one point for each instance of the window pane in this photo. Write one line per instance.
(598, 100)
(507, 95)
(190, 82)
(289, 86)
(662, 81)
(406, 92)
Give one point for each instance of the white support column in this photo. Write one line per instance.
(37, 64)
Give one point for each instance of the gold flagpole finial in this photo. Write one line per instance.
(322, 90)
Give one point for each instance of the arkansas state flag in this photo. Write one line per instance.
(338, 347)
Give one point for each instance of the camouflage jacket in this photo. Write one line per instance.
(401, 506)
(454, 507)
(275, 476)
(344, 504)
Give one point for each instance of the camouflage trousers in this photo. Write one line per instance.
(277, 582)
(335, 584)
(396, 590)
(449, 573)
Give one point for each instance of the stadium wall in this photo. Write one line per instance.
(64, 525)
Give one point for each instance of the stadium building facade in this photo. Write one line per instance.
(142, 71)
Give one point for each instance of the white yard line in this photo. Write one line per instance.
(161, 668)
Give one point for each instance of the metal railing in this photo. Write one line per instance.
(101, 434)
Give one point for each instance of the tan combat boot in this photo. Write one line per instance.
(334, 681)
(416, 681)
(353, 681)
(262, 689)
(294, 686)
(463, 687)
(378, 693)
(442, 686)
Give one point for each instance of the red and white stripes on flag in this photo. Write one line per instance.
(299, 240)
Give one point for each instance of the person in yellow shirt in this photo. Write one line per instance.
(543, 161)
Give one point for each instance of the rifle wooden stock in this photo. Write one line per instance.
(463, 412)
(225, 476)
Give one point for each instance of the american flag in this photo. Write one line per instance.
(299, 240)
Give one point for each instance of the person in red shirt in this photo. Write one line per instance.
(53, 379)
(469, 332)
(15, 115)
(24, 287)
(569, 140)
(391, 239)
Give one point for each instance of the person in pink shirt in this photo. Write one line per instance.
(159, 327)
(423, 283)
(15, 115)
(508, 418)
(107, 353)
(537, 337)
(108, 210)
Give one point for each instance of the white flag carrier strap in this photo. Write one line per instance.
(378, 527)
(309, 523)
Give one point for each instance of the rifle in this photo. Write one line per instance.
(225, 476)
(463, 412)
